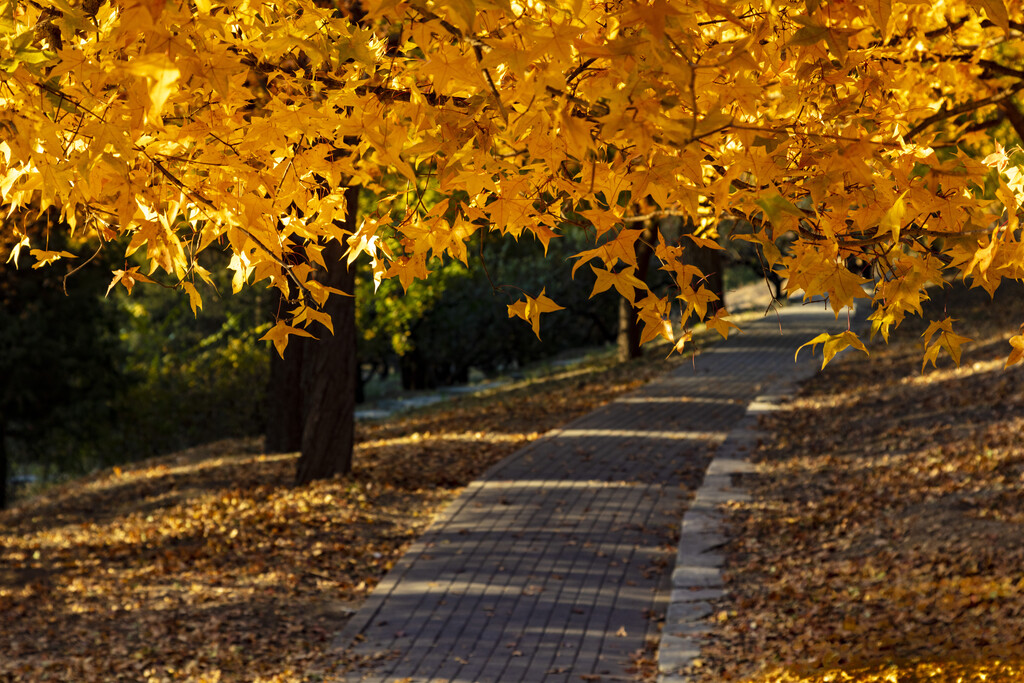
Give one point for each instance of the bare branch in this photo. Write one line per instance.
(1014, 114)
(963, 109)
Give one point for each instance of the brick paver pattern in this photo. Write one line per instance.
(555, 565)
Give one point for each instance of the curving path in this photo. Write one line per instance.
(557, 564)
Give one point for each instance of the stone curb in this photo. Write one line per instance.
(697, 581)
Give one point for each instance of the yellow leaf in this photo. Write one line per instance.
(624, 281)
(705, 242)
(623, 246)
(1017, 355)
(16, 250)
(880, 11)
(309, 314)
(45, 258)
(128, 278)
(833, 344)
(776, 206)
(161, 74)
(243, 268)
(194, 299)
(279, 334)
(719, 323)
(655, 314)
(809, 35)
(892, 220)
(603, 221)
(529, 309)
(996, 12)
(997, 159)
(843, 287)
(544, 235)
(946, 339)
(364, 239)
(697, 302)
(204, 274)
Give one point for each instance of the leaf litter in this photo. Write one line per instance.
(206, 565)
(885, 536)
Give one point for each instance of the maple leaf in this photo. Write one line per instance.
(16, 250)
(996, 11)
(833, 344)
(128, 278)
(655, 314)
(946, 339)
(705, 242)
(892, 220)
(364, 240)
(530, 309)
(1017, 344)
(161, 73)
(279, 334)
(697, 301)
(45, 258)
(997, 159)
(719, 323)
(842, 286)
(195, 300)
(776, 207)
(624, 281)
(681, 343)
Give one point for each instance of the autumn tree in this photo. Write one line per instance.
(313, 389)
(875, 129)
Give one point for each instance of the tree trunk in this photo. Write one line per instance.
(710, 263)
(628, 339)
(4, 469)
(284, 400)
(329, 370)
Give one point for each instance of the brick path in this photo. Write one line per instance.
(556, 565)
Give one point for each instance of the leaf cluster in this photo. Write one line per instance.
(858, 127)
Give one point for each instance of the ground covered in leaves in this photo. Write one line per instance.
(208, 565)
(885, 538)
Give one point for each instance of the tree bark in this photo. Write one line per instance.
(628, 339)
(4, 469)
(329, 370)
(284, 400)
(710, 263)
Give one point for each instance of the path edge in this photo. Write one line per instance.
(697, 579)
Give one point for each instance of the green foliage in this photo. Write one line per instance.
(193, 377)
(88, 380)
(58, 354)
(457, 319)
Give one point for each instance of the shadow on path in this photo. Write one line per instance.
(557, 563)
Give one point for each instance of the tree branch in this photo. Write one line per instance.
(963, 109)
(1014, 114)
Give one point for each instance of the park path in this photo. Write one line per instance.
(556, 565)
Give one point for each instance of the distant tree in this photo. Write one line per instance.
(59, 354)
(453, 321)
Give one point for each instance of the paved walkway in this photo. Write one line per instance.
(557, 564)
